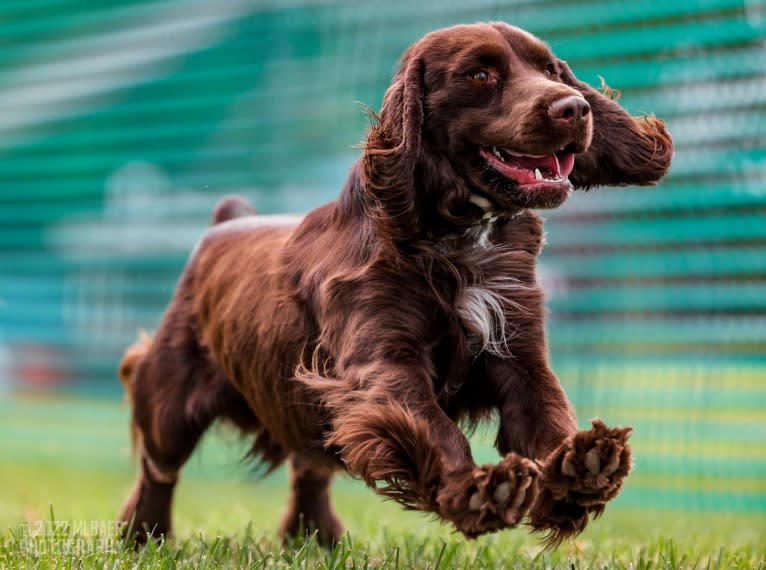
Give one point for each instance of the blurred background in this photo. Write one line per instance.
(123, 122)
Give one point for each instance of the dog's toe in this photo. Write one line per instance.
(590, 466)
(493, 496)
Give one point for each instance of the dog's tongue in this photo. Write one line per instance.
(566, 163)
(560, 164)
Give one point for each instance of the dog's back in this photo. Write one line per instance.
(229, 208)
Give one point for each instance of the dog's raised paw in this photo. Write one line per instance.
(578, 478)
(490, 497)
(589, 467)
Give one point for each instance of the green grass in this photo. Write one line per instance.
(66, 469)
(231, 522)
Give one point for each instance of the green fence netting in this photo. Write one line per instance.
(122, 123)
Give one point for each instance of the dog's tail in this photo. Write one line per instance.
(130, 360)
(231, 207)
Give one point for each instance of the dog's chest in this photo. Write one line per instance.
(499, 293)
(490, 311)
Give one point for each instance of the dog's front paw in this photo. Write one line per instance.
(490, 497)
(589, 468)
(579, 477)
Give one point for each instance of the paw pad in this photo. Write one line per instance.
(592, 462)
(504, 490)
(496, 496)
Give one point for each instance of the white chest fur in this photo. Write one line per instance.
(489, 302)
(487, 309)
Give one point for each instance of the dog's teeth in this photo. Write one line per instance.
(498, 154)
(538, 174)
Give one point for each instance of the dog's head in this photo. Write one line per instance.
(486, 115)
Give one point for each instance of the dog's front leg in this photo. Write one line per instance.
(391, 432)
(580, 470)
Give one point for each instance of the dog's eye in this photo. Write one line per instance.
(550, 70)
(481, 76)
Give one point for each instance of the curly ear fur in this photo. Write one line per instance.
(393, 147)
(625, 149)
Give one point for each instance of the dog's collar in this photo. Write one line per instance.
(487, 220)
(491, 215)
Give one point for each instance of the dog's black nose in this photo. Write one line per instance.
(569, 110)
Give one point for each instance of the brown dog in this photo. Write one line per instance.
(362, 336)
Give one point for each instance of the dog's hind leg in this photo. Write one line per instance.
(309, 508)
(176, 393)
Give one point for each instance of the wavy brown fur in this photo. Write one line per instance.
(130, 359)
(362, 337)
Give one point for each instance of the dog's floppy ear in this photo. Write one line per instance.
(625, 149)
(393, 147)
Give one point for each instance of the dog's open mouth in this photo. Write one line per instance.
(549, 171)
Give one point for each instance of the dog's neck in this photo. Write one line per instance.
(491, 212)
(479, 233)
(481, 230)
